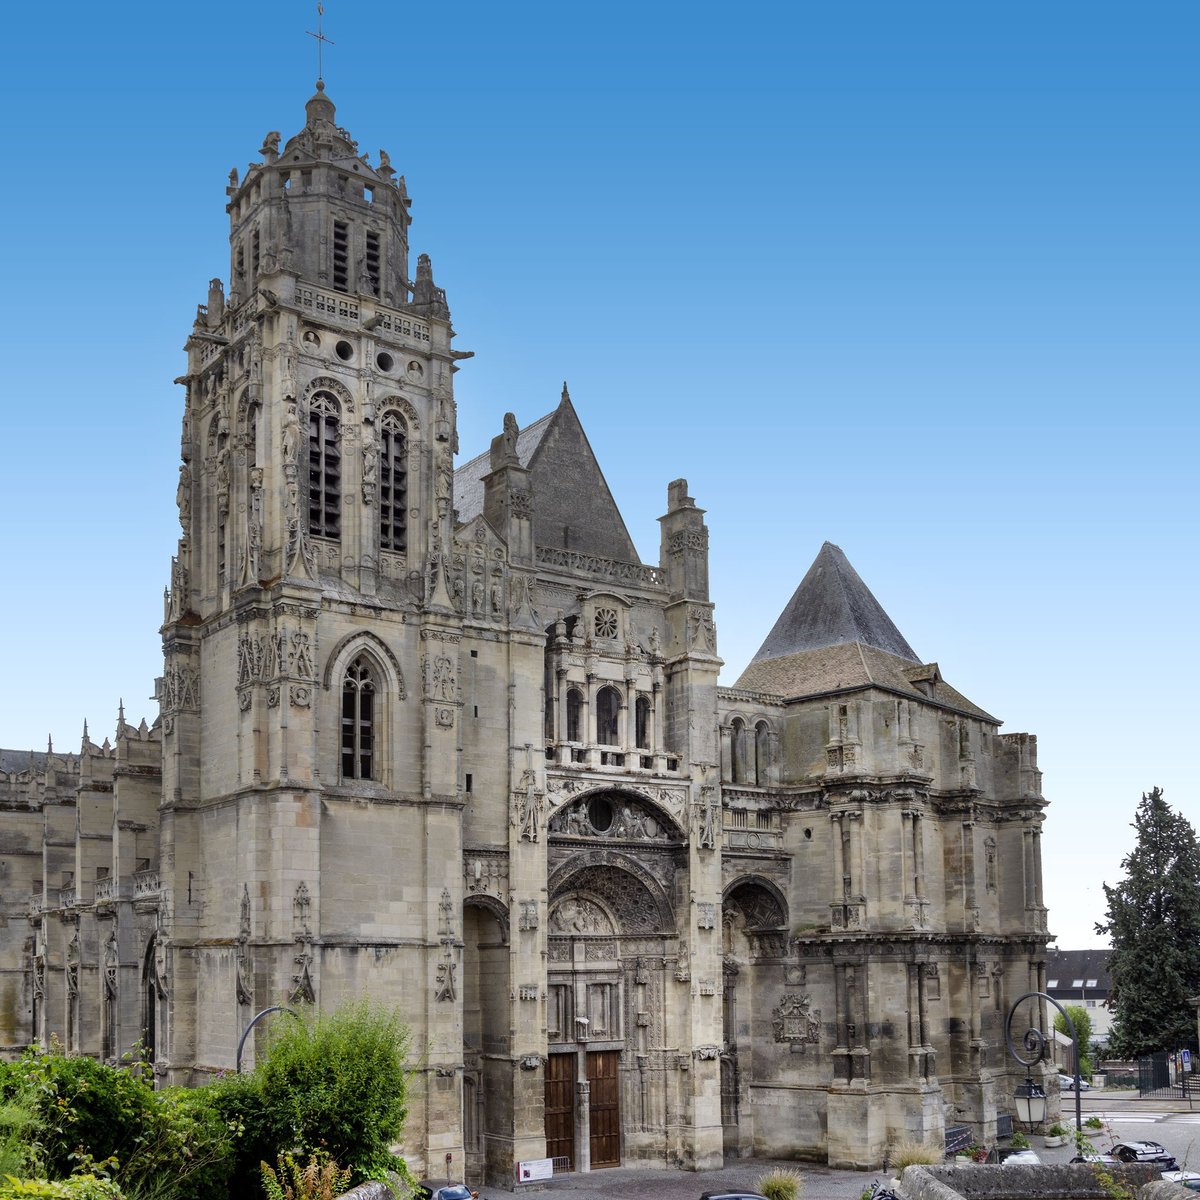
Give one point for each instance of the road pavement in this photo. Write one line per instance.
(1125, 1118)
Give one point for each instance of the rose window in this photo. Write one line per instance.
(606, 622)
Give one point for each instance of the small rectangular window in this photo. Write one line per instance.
(474, 653)
(255, 246)
(477, 710)
(469, 781)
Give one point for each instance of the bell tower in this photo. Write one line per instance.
(311, 644)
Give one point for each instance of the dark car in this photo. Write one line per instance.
(429, 1190)
(1144, 1152)
(1103, 1160)
(732, 1196)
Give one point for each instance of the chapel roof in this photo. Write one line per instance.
(831, 607)
(573, 508)
(834, 636)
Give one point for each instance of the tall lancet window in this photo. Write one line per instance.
(358, 721)
(393, 485)
(324, 467)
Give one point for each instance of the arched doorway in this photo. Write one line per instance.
(754, 929)
(487, 1064)
(614, 953)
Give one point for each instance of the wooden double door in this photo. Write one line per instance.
(605, 1109)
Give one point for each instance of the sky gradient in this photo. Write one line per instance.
(919, 279)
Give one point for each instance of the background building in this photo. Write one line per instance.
(438, 736)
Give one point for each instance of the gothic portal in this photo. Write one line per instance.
(437, 736)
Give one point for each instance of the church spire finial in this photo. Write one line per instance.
(321, 39)
(566, 396)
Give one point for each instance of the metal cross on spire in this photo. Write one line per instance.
(321, 40)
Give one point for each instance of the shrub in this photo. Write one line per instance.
(781, 1184)
(16, 1123)
(1094, 1123)
(78, 1187)
(253, 1139)
(1020, 1141)
(79, 1108)
(909, 1152)
(185, 1153)
(1058, 1130)
(319, 1179)
(337, 1082)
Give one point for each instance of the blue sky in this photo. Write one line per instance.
(919, 279)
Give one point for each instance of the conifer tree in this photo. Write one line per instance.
(1154, 924)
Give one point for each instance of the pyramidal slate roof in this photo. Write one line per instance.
(833, 607)
(834, 636)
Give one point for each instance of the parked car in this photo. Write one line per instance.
(1103, 1160)
(1144, 1152)
(1187, 1179)
(732, 1196)
(1066, 1083)
(1014, 1156)
(428, 1190)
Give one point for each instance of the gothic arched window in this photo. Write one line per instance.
(608, 706)
(324, 467)
(762, 752)
(358, 721)
(393, 485)
(574, 714)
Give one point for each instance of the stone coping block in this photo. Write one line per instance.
(372, 1190)
(1075, 1181)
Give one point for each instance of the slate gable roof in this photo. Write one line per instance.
(573, 507)
(468, 479)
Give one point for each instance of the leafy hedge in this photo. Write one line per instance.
(330, 1085)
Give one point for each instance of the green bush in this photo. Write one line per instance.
(781, 1184)
(185, 1153)
(16, 1124)
(80, 1115)
(337, 1083)
(253, 1138)
(81, 1109)
(78, 1187)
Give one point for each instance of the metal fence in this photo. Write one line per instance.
(1154, 1079)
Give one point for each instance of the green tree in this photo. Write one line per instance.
(337, 1082)
(1154, 926)
(1083, 1036)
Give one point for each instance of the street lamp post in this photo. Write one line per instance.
(254, 1021)
(1030, 1099)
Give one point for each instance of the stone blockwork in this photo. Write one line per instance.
(437, 737)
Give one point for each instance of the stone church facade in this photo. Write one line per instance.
(439, 738)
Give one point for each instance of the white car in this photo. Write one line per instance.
(1066, 1083)
(1187, 1179)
